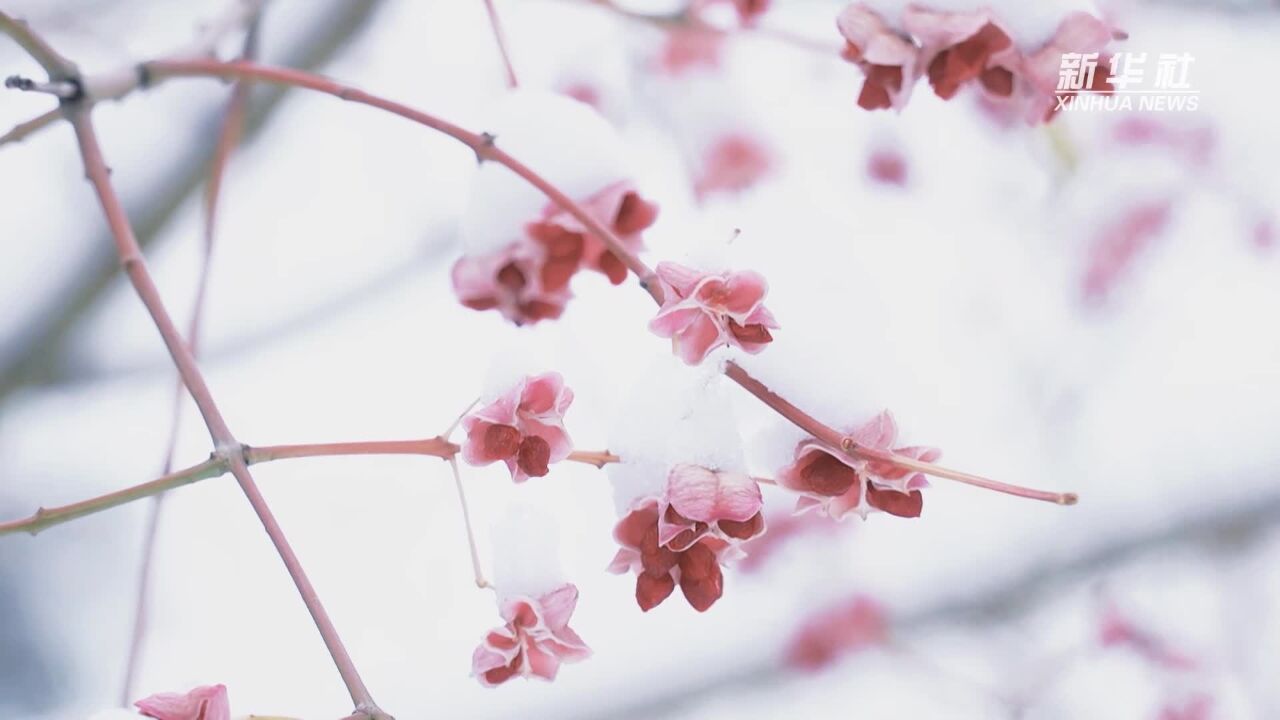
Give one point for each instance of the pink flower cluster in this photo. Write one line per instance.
(836, 484)
(523, 428)
(528, 280)
(683, 537)
(208, 702)
(535, 640)
(732, 163)
(704, 311)
(954, 49)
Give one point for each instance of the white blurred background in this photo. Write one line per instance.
(956, 299)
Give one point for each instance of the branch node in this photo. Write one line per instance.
(145, 78)
(487, 140)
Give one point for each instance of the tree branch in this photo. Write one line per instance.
(32, 352)
(224, 441)
(216, 466)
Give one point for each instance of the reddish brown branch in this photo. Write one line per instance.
(216, 466)
(838, 441)
(224, 441)
(482, 144)
(58, 67)
(228, 138)
(501, 39)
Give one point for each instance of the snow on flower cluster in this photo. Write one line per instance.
(534, 602)
(523, 427)
(1012, 61)
(685, 500)
(519, 261)
(535, 640)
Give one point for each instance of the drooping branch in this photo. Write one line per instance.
(486, 148)
(500, 38)
(482, 144)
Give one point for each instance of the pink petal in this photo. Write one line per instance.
(880, 431)
(761, 316)
(208, 702)
(557, 606)
(700, 337)
(484, 661)
(679, 277)
(555, 435)
(673, 318)
(541, 662)
(623, 561)
(699, 493)
(630, 530)
(876, 42)
(541, 393)
(503, 409)
(743, 292)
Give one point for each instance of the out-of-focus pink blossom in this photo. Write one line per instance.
(524, 427)
(207, 702)
(847, 627)
(683, 538)
(1119, 243)
(704, 311)
(887, 166)
(732, 162)
(784, 529)
(835, 483)
(534, 642)
(1196, 707)
(1115, 629)
(1264, 234)
(528, 280)
(686, 49)
(1193, 144)
(509, 281)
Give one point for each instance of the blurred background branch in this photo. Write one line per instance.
(35, 352)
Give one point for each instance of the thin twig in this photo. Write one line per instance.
(428, 447)
(58, 67)
(501, 39)
(23, 130)
(228, 138)
(481, 582)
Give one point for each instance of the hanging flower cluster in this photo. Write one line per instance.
(523, 427)
(955, 49)
(535, 640)
(528, 279)
(836, 484)
(683, 537)
(704, 311)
